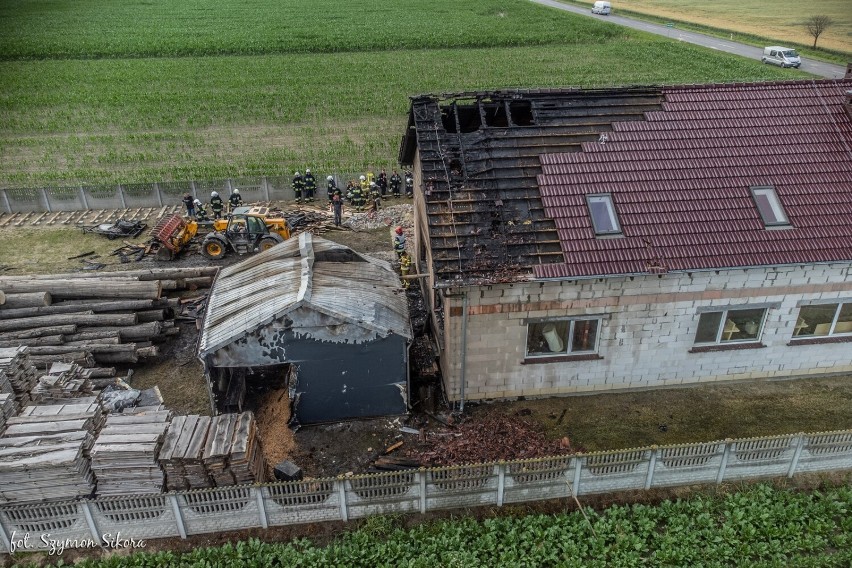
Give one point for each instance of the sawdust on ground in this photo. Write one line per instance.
(276, 437)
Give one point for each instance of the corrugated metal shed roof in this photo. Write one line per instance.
(680, 182)
(304, 271)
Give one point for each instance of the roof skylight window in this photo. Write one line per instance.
(602, 212)
(769, 206)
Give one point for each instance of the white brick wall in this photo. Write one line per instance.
(645, 341)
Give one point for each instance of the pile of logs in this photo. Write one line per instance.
(94, 319)
(44, 452)
(201, 452)
(124, 457)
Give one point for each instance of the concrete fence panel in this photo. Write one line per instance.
(21, 200)
(141, 195)
(145, 516)
(104, 197)
(687, 464)
(825, 452)
(538, 479)
(215, 510)
(69, 198)
(383, 493)
(296, 502)
(604, 472)
(58, 521)
(760, 457)
(461, 486)
(251, 189)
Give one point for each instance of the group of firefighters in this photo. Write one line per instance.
(195, 208)
(368, 188)
(357, 194)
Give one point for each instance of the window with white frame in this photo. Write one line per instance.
(730, 326)
(769, 206)
(562, 337)
(602, 212)
(822, 320)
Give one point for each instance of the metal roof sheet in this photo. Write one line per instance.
(304, 271)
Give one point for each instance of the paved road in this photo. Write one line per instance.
(820, 68)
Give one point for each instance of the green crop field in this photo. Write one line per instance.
(104, 91)
(757, 527)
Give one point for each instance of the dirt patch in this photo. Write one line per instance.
(178, 374)
(277, 439)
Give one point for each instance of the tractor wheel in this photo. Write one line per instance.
(213, 248)
(267, 243)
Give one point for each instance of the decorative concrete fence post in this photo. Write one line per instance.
(178, 516)
(651, 466)
(421, 480)
(87, 512)
(800, 443)
(46, 199)
(340, 482)
(500, 469)
(724, 464)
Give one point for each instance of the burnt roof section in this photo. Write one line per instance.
(479, 159)
(681, 182)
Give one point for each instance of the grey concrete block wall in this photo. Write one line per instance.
(644, 320)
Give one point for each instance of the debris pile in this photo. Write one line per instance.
(401, 215)
(44, 452)
(124, 457)
(487, 438)
(309, 220)
(121, 228)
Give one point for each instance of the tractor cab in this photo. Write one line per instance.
(244, 234)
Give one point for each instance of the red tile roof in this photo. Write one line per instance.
(680, 182)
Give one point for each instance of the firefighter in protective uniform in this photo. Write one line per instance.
(395, 183)
(331, 188)
(298, 186)
(399, 242)
(310, 185)
(216, 204)
(405, 268)
(235, 199)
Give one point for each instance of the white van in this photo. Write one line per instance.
(783, 56)
(602, 8)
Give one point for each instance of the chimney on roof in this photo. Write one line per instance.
(847, 103)
(848, 71)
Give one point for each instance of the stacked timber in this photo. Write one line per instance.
(61, 381)
(17, 368)
(232, 453)
(44, 452)
(124, 457)
(93, 319)
(183, 451)
(201, 452)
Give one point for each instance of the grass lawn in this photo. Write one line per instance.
(207, 90)
(700, 413)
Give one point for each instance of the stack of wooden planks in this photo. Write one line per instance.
(44, 452)
(124, 456)
(232, 452)
(182, 453)
(15, 366)
(61, 381)
(202, 452)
